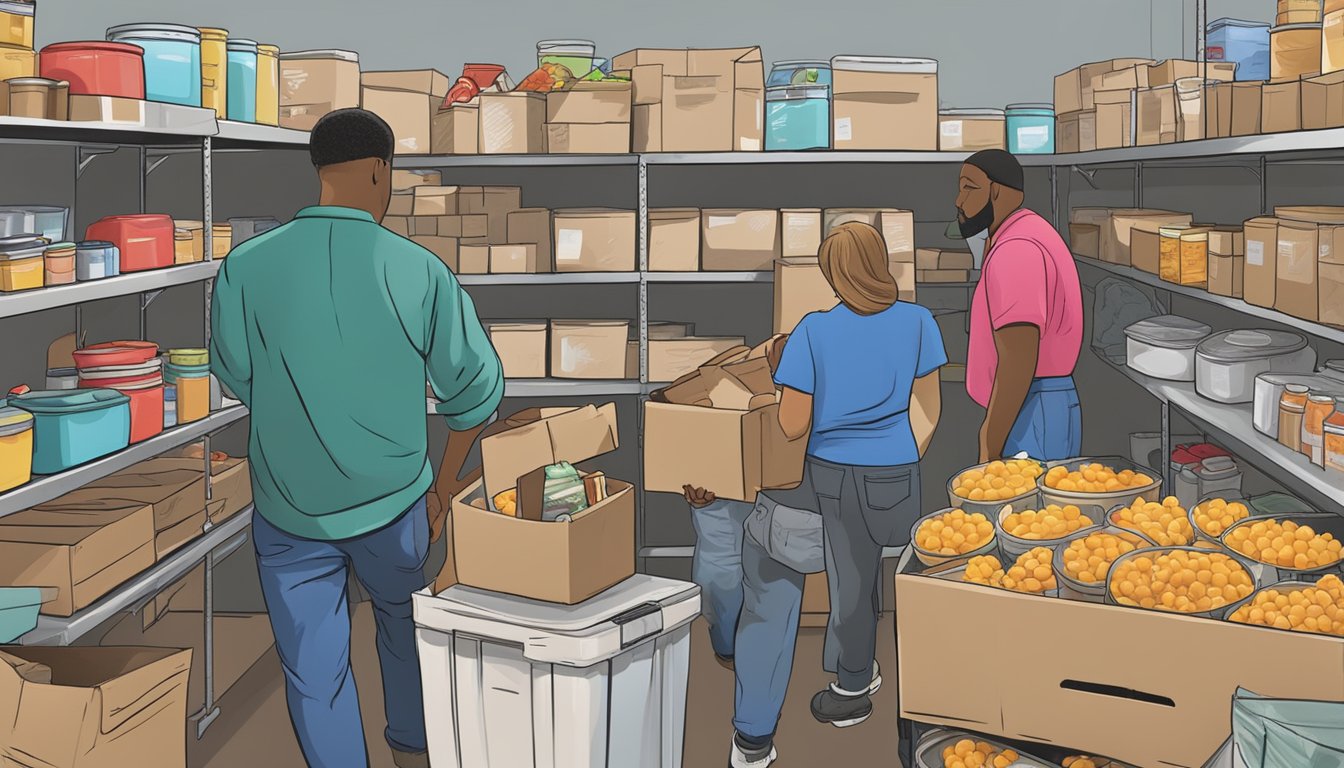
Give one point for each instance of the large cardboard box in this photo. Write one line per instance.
(1295, 53)
(457, 130)
(1114, 120)
(1074, 89)
(1156, 116)
(971, 131)
(1226, 275)
(1145, 248)
(328, 80)
(1323, 102)
(1234, 109)
(1115, 237)
(83, 554)
(718, 429)
(408, 101)
(739, 240)
(532, 226)
(670, 359)
(589, 349)
(428, 81)
(697, 100)
(495, 203)
(875, 110)
(800, 288)
(100, 707)
(800, 231)
(1281, 107)
(1297, 293)
(512, 123)
(594, 240)
(1076, 131)
(674, 240)
(446, 249)
(1262, 261)
(584, 139)
(515, 260)
(561, 562)
(521, 348)
(1085, 240)
(1171, 70)
(1192, 119)
(1332, 43)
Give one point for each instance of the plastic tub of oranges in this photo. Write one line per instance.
(942, 748)
(1213, 516)
(987, 488)
(1030, 574)
(1106, 482)
(951, 534)
(1165, 523)
(1297, 606)
(1186, 580)
(1296, 548)
(1021, 531)
(1083, 560)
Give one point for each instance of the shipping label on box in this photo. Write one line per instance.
(1262, 262)
(589, 349)
(674, 240)
(594, 240)
(801, 231)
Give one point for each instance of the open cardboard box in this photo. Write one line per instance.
(559, 562)
(718, 429)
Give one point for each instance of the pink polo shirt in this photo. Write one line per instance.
(1029, 277)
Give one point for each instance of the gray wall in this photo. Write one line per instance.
(992, 52)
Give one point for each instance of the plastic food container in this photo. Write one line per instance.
(1013, 547)
(268, 84)
(16, 24)
(59, 261)
(1230, 498)
(1219, 475)
(1155, 552)
(169, 405)
(575, 55)
(933, 558)
(19, 607)
(1090, 592)
(33, 221)
(22, 267)
(114, 353)
(1228, 363)
(172, 60)
(73, 428)
(113, 375)
(1149, 492)
(171, 373)
(189, 357)
(1294, 51)
(1269, 389)
(797, 118)
(805, 73)
(193, 397)
(1319, 408)
(971, 130)
(244, 228)
(144, 240)
(1244, 43)
(1320, 522)
(97, 68)
(929, 750)
(1031, 129)
(215, 70)
(16, 447)
(1164, 347)
(243, 80)
(62, 378)
(96, 259)
(989, 509)
(146, 401)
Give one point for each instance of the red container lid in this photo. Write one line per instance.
(116, 353)
(94, 45)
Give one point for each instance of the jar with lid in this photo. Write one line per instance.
(1292, 412)
(215, 71)
(1319, 408)
(1334, 441)
(60, 264)
(268, 84)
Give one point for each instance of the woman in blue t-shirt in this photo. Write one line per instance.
(861, 380)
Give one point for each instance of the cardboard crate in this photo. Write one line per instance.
(521, 348)
(590, 118)
(1172, 70)
(1156, 116)
(473, 259)
(594, 240)
(1226, 275)
(1085, 240)
(696, 100)
(1234, 109)
(1114, 121)
(674, 240)
(1262, 261)
(589, 349)
(1145, 248)
(739, 240)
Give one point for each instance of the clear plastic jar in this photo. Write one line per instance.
(1319, 408)
(1334, 442)
(1292, 412)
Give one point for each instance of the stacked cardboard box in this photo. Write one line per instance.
(696, 100)
(1076, 103)
(1281, 107)
(1227, 261)
(674, 240)
(313, 83)
(594, 240)
(1234, 109)
(1115, 234)
(1129, 102)
(898, 230)
(408, 100)
(739, 240)
(473, 230)
(1310, 241)
(935, 265)
(512, 123)
(1323, 102)
(457, 130)
(590, 118)
(875, 108)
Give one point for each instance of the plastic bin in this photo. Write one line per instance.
(96, 259)
(75, 427)
(19, 607)
(243, 80)
(144, 240)
(97, 68)
(41, 220)
(172, 60)
(1244, 43)
(574, 55)
(598, 683)
(16, 24)
(22, 267)
(797, 118)
(1031, 129)
(16, 448)
(799, 73)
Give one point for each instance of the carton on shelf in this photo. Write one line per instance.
(590, 118)
(532, 226)
(583, 139)
(1074, 89)
(728, 410)
(594, 240)
(926, 259)
(1192, 120)
(1107, 85)
(1114, 129)
(670, 359)
(515, 260)
(589, 349)
(1115, 236)
(1323, 102)
(457, 130)
(1331, 279)
(408, 101)
(1173, 70)
(1295, 53)
(674, 240)
(297, 117)
(1297, 293)
(1332, 42)
(401, 206)
(883, 110)
(696, 100)
(1085, 240)
(1281, 107)
(110, 109)
(429, 200)
(647, 127)
(800, 288)
(313, 83)
(1145, 248)
(897, 228)
(1234, 109)
(1076, 131)
(1156, 116)
(95, 706)
(467, 226)
(423, 225)
(444, 248)
(495, 203)
(800, 231)
(1227, 262)
(971, 133)
(1262, 261)
(739, 240)
(521, 347)
(473, 259)
(559, 562)
(512, 123)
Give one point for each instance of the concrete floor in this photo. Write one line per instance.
(254, 729)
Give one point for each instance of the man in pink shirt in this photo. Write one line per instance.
(1026, 318)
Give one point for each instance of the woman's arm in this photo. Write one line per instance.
(926, 407)
(795, 413)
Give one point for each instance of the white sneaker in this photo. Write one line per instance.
(742, 757)
(876, 685)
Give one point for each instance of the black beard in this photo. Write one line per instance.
(976, 224)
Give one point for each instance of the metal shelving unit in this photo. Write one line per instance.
(553, 278)
(12, 304)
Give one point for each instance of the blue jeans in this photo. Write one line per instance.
(717, 567)
(304, 584)
(1050, 425)
(768, 629)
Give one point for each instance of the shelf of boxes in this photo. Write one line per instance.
(557, 278)
(12, 304)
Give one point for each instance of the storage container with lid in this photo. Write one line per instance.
(96, 259)
(1228, 363)
(16, 23)
(1031, 129)
(189, 357)
(59, 262)
(1269, 389)
(1219, 476)
(172, 60)
(574, 55)
(805, 73)
(16, 61)
(1244, 43)
(39, 98)
(1319, 408)
(971, 130)
(115, 353)
(1334, 441)
(144, 240)
(97, 68)
(621, 660)
(242, 80)
(1164, 347)
(797, 118)
(62, 378)
(1292, 414)
(268, 84)
(1294, 51)
(215, 70)
(75, 427)
(22, 267)
(16, 447)
(144, 394)
(35, 220)
(244, 228)
(193, 397)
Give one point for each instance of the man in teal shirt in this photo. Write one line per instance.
(327, 328)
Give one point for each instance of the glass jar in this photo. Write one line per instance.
(1292, 412)
(1319, 408)
(1334, 441)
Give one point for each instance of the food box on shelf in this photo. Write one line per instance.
(594, 240)
(521, 347)
(739, 240)
(674, 240)
(589, 349)
(457, 130)
(709, 100)
(512, 123)
(408, 101)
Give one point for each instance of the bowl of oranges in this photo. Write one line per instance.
(1106, 482)
(1030, 574)
(1296, 606)
(1083, 560)
(1301, 547)
(987, 488)
(1165, 523)
(941, 748)
(1212, 517)
(951, 534)
(1187, 580)
(1021, 530)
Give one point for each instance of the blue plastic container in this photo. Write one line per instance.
(19, 607)
(242, 80)
(171, 373)
(797, 118)
(73, 427)
(172, 60)
(97, 259)
(1245, 43)
(799, 73)
(1031, 129)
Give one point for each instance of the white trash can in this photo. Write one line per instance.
(517, 683)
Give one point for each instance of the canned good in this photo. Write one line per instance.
(215, 71)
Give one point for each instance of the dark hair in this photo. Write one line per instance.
(1001, 167)
(350, 134)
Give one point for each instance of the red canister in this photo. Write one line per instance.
(144, 239)
(97, 68)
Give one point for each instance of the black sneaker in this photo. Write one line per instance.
(840, 708)
(750, 754)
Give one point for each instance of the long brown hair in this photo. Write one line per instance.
(854, 260)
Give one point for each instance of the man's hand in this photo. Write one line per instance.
(774, 350)
(438, 501)
(698, 497)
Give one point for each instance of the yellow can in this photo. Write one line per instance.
(22, 270)
(268, 84)
(222, 235)
(193, 398)
(16, 448)
(16, 24)
(16, 61)
(182, 246)
(215, 70)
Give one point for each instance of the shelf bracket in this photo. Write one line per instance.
(87, 155)
(148, 298)
(153, 165)
(1089, 174)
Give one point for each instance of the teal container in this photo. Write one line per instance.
(171, 373)
(242, 80)
(797, 118)
(73, 427)
(18, 611)
(172, 60)
(1031, 129)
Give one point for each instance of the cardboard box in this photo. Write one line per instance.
(589, 349)
(423, 225)
(512, 123)
(670, 359)
(584, 139)
(1074, 89)
(1076, 131)
(427, 81)
(926, 259)
(591, 103)
(1281, 107)
(495, 203)
(1156, 116)
(697, 100)
(457, 130)
(467, 226)
(1226, 275)
(84, 554)
(1107, 85)
(435, 201)
(674, 240)
(1115, 236)
(400, 225)
(1297, 293)
(521, 347)
(1295, 53)
(800, 230)
(1227, 241)
(473, 259)
(1191, 117)
(109, 109)
(556, 562)
(532, 226)
(1262, 261)
(315, 80)
(718, 429)
(632, 360)
(943, 276)
(410, 115)
(1145, 248)
(447, 249)
(971, 133)
(402, 205)
(1114, 124)
(906, 284)
(800, 288)
(663, 329)
(1323, 101)
(897, 228)
(594, 240)
(1085, 240)
(647, 128)
(885, 110)
(1332, 43)
(303, 117)
(106, 706)
(1234, 109)
(739, 240)
(1171, 70)
(1331, 281)
(515, 260)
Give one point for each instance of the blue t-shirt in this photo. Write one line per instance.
(860, 371)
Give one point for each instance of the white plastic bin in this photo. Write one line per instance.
(602, 683)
